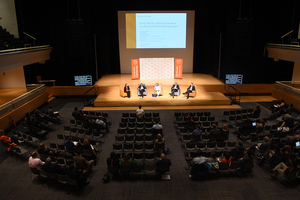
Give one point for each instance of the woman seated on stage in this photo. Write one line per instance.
(157, 89)
(127, 90)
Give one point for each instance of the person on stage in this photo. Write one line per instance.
(189, 90)
(157, 89)
(142, 88)
(174, 88)
(127, 90)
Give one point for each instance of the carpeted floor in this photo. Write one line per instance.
(16, 184)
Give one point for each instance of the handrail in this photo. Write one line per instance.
(29, 36)
(4, 108)
(283, 45)
(96, 90)
(287, 88)
(235, 95)
(24, 49)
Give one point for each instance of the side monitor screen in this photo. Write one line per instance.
(234, 79)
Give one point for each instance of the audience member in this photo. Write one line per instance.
(102, 123)
(13, 141)
(140, 112)
(225, 129)
(215, 133)
(284, 170)
(47, 151)
(35, 162)
(78, 176)
(247, 161)
(189, 122)
(256, 112)
(76, 114)
(213, 161)
(291, 140)
(112, 160)
(238, 151)
(53, 168)
(163, 162)
(287, 124)
(126, 160)
(197, 131)
(86, 145)
(227, 158)
(87, 166)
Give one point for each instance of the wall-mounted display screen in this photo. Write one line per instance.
(83, 80)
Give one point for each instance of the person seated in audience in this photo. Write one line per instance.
(86, 145)
(102, 123)
(13, 141)
(291, 140)
(85, 121)
(256, 112)
(189, 122)
(142, 88)
(261, 147)
(81, 161)
(198, 165)
(273, 157)
(126, 160)
(140, 112)
(197, 131)
(113, 160)
(215, 132)
(163, 162)
(160, 139)
(35, 162)
(279, 105)
(27, 119)
(289, 109)
(247, 161)
(225, 129)
(287, 124)
(79, 176)
(261, 124)
(244, 130)
(70, 143)
(284, 169)
(157, 89)
(91, 120)
(238, 151)
(47, 151)
(51, 112)
(175, 88)
(127, 90)
(76, 114)
(227, 158)
(213, 161)
(53, 168)
(189, 90)
(157, 128)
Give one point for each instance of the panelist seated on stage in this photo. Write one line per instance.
(157, 89)
(175, 90)
(142, 90)
(127, 90)
(189, 90)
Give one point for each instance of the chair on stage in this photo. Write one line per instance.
(161, 90)
(176, 93)
(122, 93)
(193, 94)
(138, 92)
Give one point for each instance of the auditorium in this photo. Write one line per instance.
(149, 99)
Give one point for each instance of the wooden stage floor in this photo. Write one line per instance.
(111, 97)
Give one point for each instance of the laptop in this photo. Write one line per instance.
(298, 144)
(254, 124)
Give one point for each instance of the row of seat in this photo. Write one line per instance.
(138, 147)
(196, 119)
(80, 132)
(119, 139)
(192, 114)
(137, 131)
(192, 146)
(204, 137)
(146, 115)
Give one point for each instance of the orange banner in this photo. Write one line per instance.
(178, 68)
(135, 72)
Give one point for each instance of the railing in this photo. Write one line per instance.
(48, 81)
(288, 46)
(39, 89)
(85, 99)
(235, 96)
(288, 87)
(24, 49)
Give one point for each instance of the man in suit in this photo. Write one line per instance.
(127, 90)
(189, 90)
(174, 88)
(142, 88)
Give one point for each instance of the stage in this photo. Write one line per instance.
(209, 91)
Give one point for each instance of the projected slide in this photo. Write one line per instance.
(155, 30)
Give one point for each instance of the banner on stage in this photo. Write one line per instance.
(135, 74)
(178, 68)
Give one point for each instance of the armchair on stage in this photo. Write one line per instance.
(138, 92)
(193, 94)
(161, 90)
(176, 93)
(122, 93)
